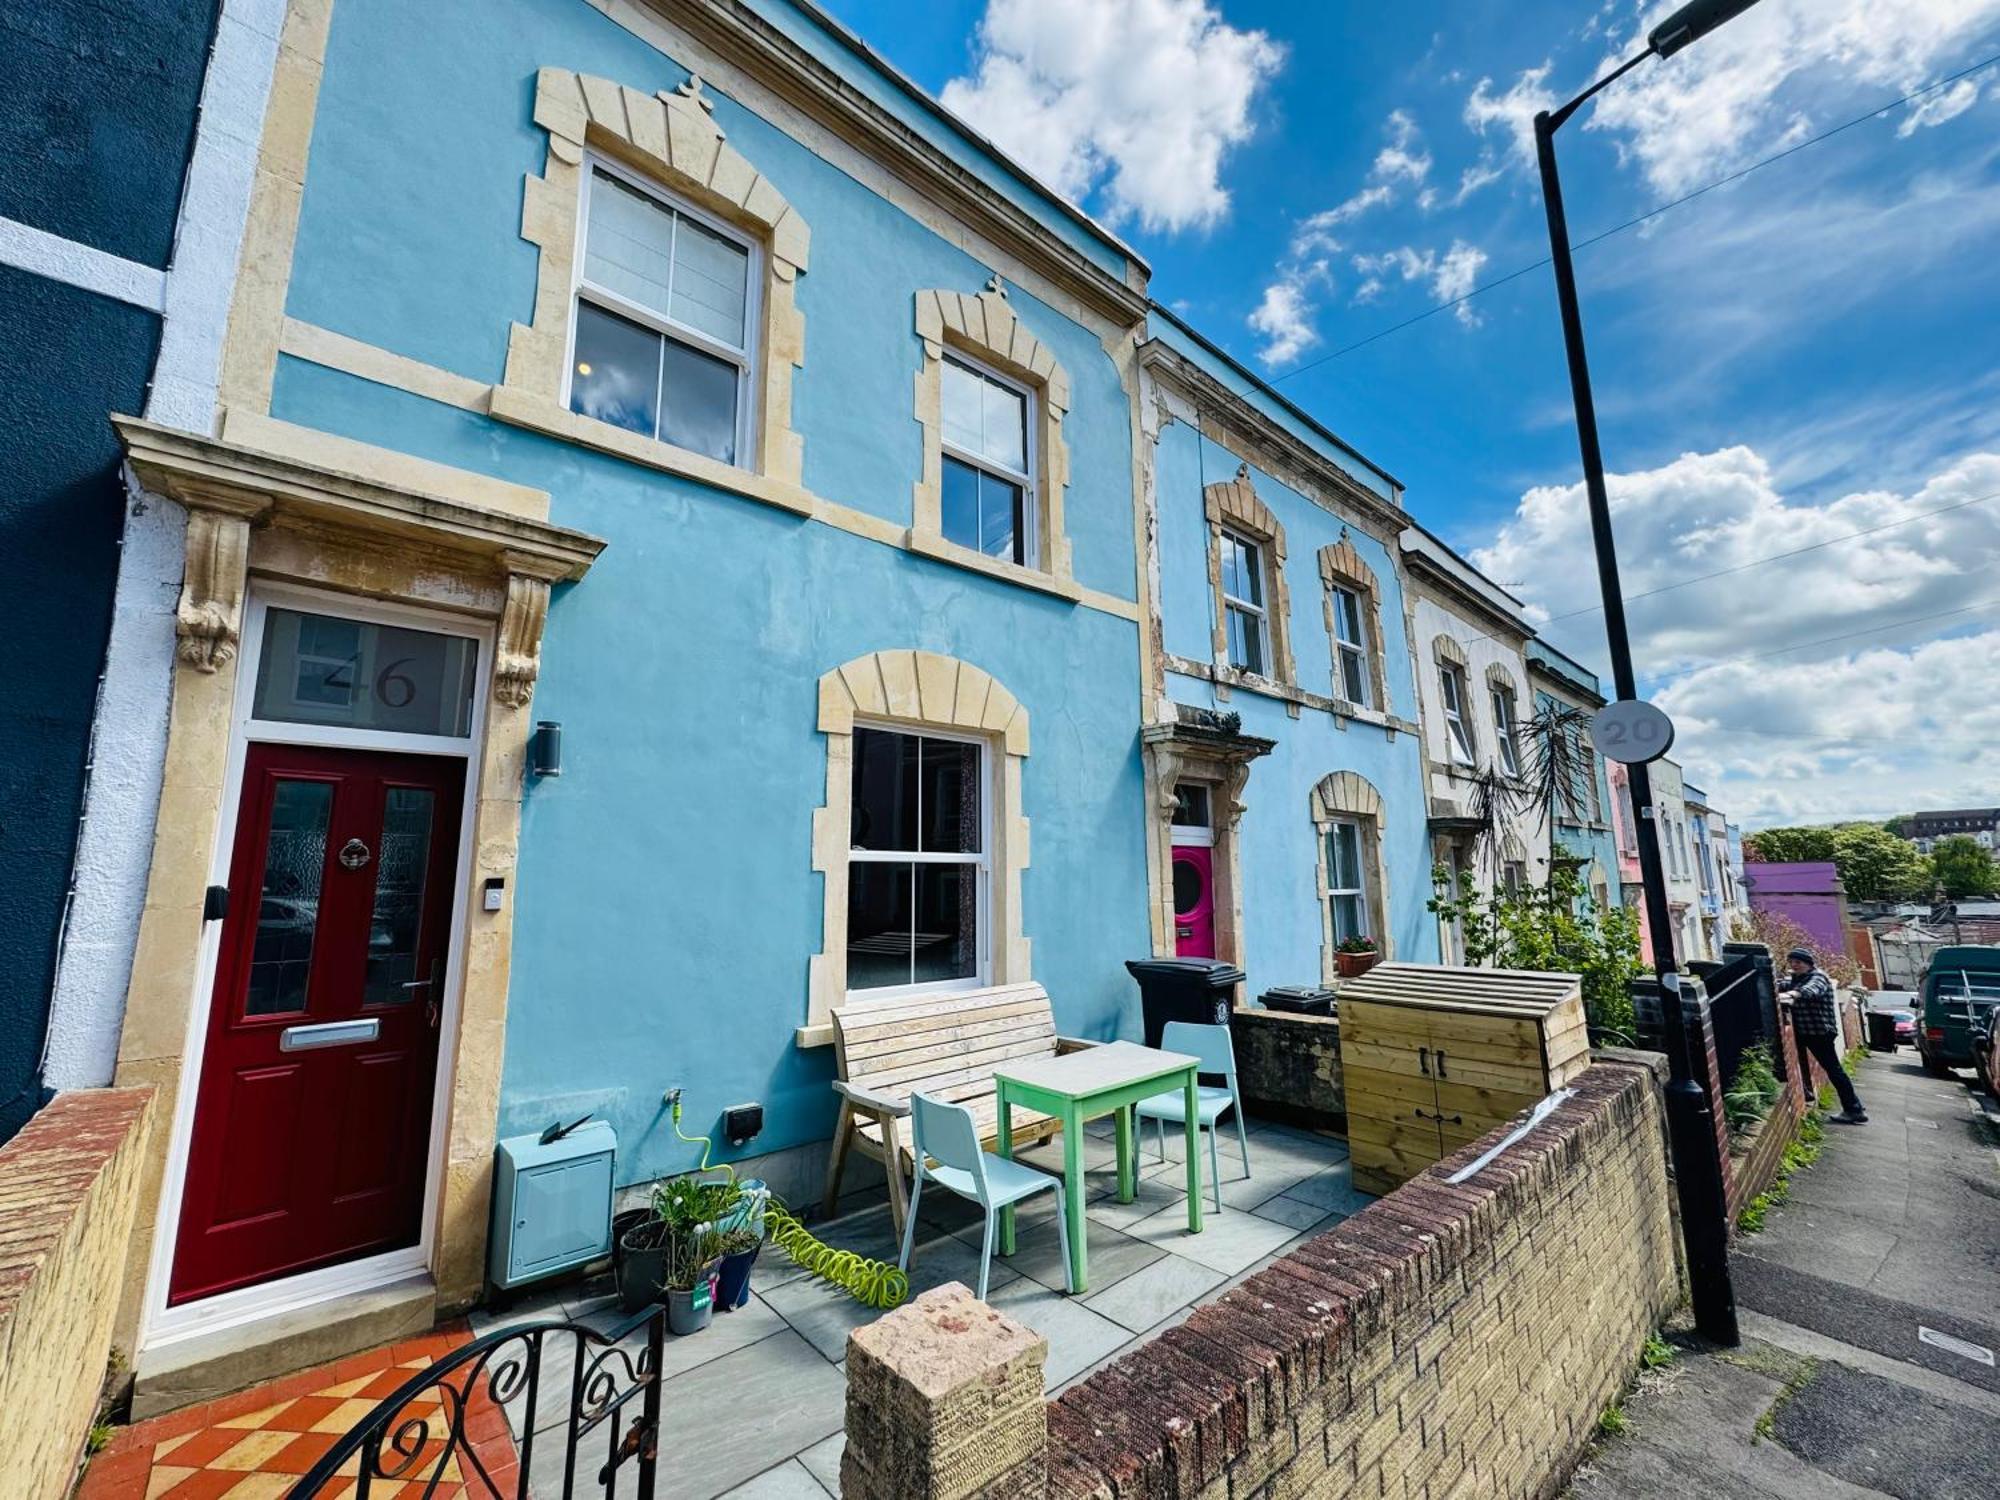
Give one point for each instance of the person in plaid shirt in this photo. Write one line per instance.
(1818, 1026)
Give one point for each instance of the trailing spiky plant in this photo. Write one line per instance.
(1557, 766)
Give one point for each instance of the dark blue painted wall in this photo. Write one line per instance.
(99, 117)
(67, 359)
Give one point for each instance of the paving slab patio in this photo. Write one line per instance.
(755, 1403)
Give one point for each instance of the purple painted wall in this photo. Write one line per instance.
(1809, 892)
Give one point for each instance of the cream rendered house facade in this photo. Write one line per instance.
(1467, 640)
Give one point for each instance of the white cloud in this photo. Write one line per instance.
(1404, 156)
(1284, 317)
(1141, 98)
(1730, 97)
(1797, 732)
(1935, 109)
(1449, 276)
(1513, 113)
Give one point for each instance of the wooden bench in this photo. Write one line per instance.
(943, 1045)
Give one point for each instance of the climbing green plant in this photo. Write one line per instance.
(1753, 1090)
(1555, 926)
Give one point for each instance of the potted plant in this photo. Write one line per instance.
(1356, 956)
(682, 1207)
(690, 1281)
(640, 1267)
(738, 1249)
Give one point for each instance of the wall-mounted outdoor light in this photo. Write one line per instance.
(545, 749)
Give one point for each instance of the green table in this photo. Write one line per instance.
(1087, 1085)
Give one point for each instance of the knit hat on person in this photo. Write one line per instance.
(1800, 956)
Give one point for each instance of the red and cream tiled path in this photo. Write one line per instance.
(255, 1445)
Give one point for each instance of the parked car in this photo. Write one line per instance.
(1961, 990)
(1906, 1027)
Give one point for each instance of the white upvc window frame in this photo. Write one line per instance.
(1256, 613)
(1457, 727)
(1359, 890)
(1349, 610)
(982, 862)
(1506, 723)
(584, 290)
(1030, 537)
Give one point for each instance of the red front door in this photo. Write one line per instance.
(1194, 901)
(312, 1120)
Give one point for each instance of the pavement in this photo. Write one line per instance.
(1870, 1313)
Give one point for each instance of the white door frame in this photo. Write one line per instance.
(159, 1324)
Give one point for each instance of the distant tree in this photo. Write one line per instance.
(1782, 846)
(1781, 935)
(1875, 865)
(1963, 868)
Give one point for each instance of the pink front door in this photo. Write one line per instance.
(1194, 901)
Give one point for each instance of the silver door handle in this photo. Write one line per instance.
(328, 1034)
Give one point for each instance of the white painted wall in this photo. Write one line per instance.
(129, 738)
(1430, 617)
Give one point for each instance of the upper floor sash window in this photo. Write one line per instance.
(665, 306)
(1350, 645)
(989, 486)
(1243, 603)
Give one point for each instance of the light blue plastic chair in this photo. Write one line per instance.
(1218, 1055)
(945, 1143)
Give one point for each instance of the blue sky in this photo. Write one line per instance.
(1810, 352)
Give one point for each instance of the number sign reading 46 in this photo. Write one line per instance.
(1631, 732)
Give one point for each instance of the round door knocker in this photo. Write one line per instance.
(354, 854)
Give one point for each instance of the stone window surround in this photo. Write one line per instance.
(1346, 794)
(1341, 564)
(985, 328)
(253, 513)
(670, 139)
(915, 690)
(1233, 504)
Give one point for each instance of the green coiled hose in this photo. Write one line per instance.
(872, 1283)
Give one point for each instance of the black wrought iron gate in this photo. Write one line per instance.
(438, 1430)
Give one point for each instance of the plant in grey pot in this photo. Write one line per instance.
(691, 1262)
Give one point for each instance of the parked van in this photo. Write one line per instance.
(1961, 990)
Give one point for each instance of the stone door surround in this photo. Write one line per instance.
(297, 521)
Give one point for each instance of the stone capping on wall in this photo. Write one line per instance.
(986, 328)
(1443, 1332)
(1233, 503)
(917, 690)
(671, 138)
(69, 1188)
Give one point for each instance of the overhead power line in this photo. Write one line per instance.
(1632, 223)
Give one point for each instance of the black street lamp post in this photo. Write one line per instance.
(1690, 1121)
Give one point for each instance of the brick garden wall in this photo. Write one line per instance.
(1446, 1340)
(68, 1187)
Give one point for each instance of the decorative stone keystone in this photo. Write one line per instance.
(945, 1402)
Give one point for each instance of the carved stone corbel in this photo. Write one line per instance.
(1234, 779)
(208, 619)
(517, 661)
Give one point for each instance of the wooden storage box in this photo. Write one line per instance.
(1436, 1056)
